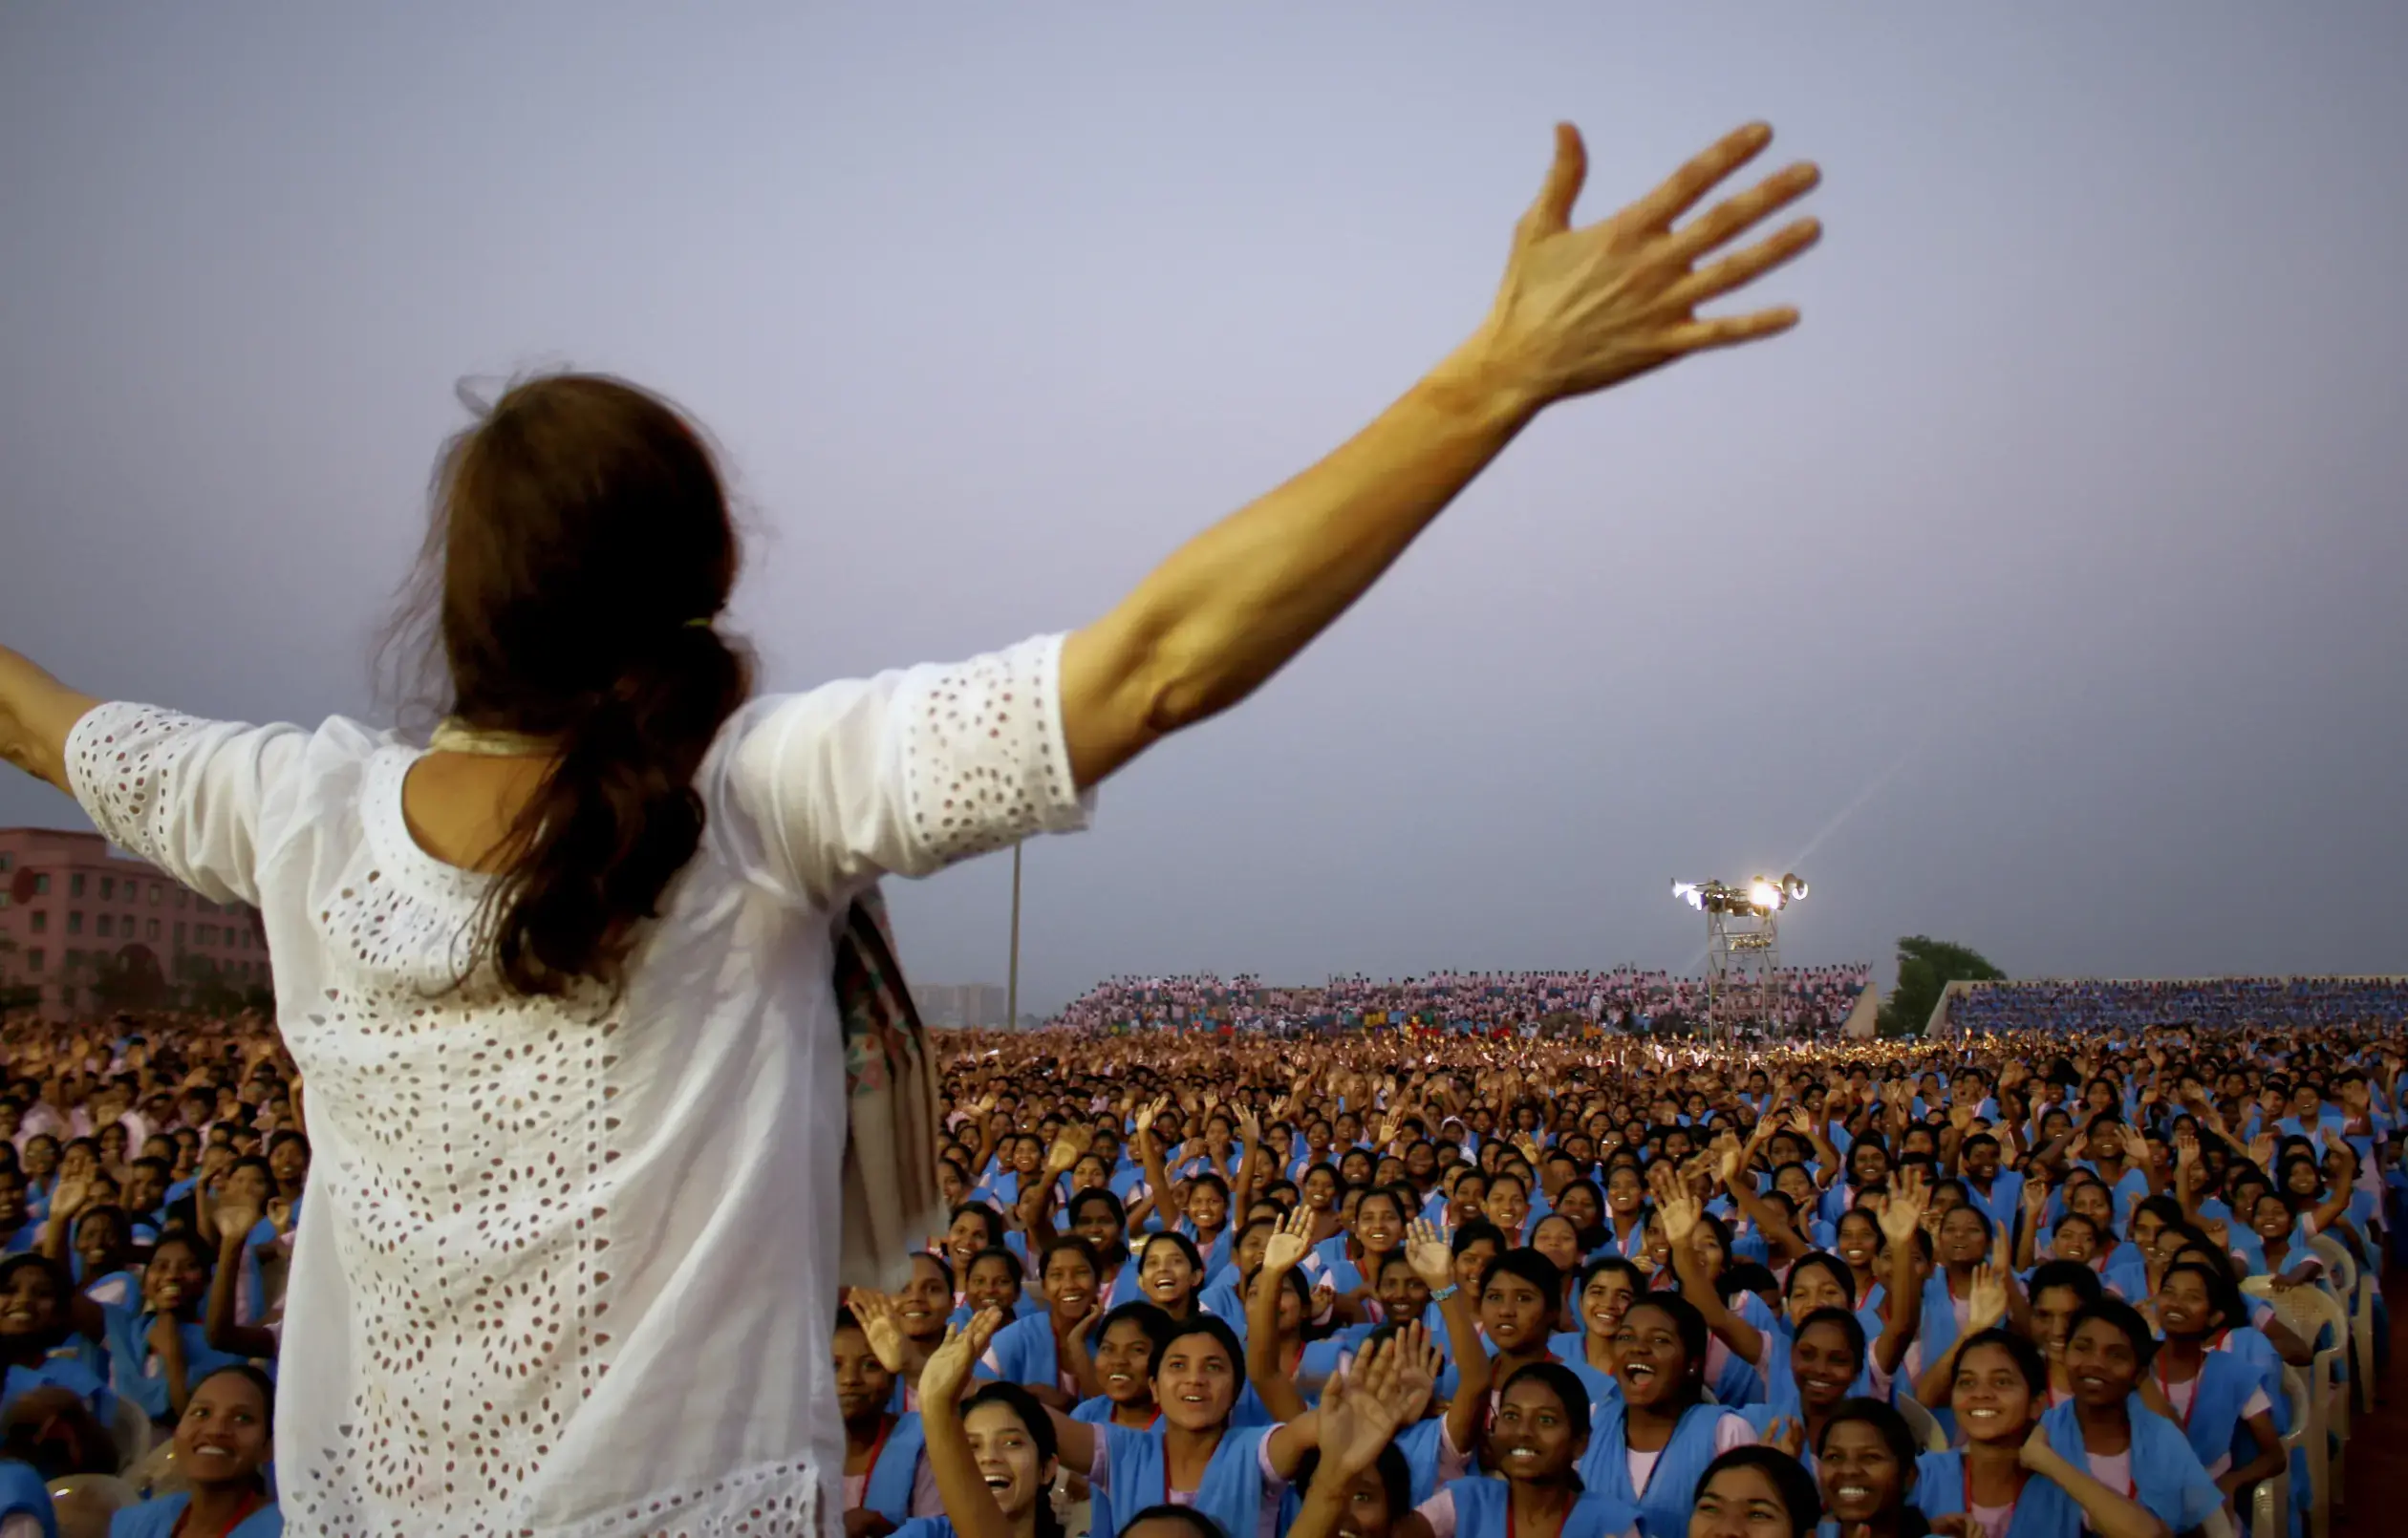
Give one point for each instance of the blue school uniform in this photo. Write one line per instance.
(895, 1473)
(1482, 1511)
(135, 1373)
(63, 1369)
(1138, 1477)
(2168, 1477)
(23, 1494)
(1024, 1352)
(2043, 1510)
(156, 1519)
(1663, 1506)
(2214, 1423)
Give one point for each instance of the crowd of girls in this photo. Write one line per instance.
(150, 1182)
(1987, 1287)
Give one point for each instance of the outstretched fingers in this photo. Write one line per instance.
(1744, 267)
(1706, 170)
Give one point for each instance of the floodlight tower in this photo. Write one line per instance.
(1743, 946)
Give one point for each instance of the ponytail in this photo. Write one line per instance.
(618, 817)
(580, 550)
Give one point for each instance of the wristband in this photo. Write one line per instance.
(1444, 1293)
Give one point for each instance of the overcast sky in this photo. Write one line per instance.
(2043, 592)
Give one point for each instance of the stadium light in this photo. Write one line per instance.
(1760, 896)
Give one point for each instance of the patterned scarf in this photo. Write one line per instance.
(892, 1201)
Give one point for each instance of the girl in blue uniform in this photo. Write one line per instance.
(1540, 1430)
(1029, 1352)
(1653, 1442)
(1864, 1463)
(1755, 1493)
(885, 1474)
(993, 1454)
(224, 1442)
(2105, 1426)
(2008, 1477)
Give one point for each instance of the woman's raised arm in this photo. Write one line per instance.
(36, 713)
(1579, 310)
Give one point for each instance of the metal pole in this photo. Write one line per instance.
(1011, 994)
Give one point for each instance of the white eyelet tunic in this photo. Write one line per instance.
(562, 1271)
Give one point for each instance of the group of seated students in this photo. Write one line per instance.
(1558, 1292)
(141, 1299)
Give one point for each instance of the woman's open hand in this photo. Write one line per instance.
(1581, 308)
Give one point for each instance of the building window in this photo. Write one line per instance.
(41, 885)
(127, 927)
(180, 935)
(156, 893)
(108, 887)
(74, 885)
(184, 899)
(104, 927)
(151, 932)
(41, 922)
(34, 958)
(7, 862)
(74, 959)
(75, 923)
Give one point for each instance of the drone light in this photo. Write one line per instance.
(1764, 894)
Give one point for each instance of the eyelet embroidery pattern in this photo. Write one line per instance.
(119, 757)
(470, 1216)
(985, 769)
(774, 1501)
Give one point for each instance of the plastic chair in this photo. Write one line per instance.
(1923, 1423)
(2269, 1505)
(132, 1430)
(84, 1505)
(2354, 1287)
(2310, 1312)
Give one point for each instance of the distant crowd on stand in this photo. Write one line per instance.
(2013, 1285)
(2268, 1003)
(1808, 1001)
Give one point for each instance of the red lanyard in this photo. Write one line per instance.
(886, 1429)
(2165, 1386)
(250, 1504)
(1967, 1466)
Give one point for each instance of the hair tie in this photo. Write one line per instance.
(704, 623)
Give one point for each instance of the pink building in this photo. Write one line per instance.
(70, 904)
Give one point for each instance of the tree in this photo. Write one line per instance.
(1926, 966)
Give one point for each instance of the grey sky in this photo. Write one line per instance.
(2075, 507)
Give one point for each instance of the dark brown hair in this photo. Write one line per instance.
(581, 547)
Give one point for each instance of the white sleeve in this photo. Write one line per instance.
(906, 773)
(184, 794)
(2257, 1404)
(1438, 1511)
(1731, 1431)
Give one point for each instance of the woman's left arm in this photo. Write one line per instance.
(1581, 310)
(36, 713)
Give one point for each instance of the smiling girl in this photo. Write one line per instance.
(2007, 1480)
(1654, 1439)
(993, 1454)
(222, 1445)
(2104, 1426)
(1536, 1442)
(1864, 1461)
